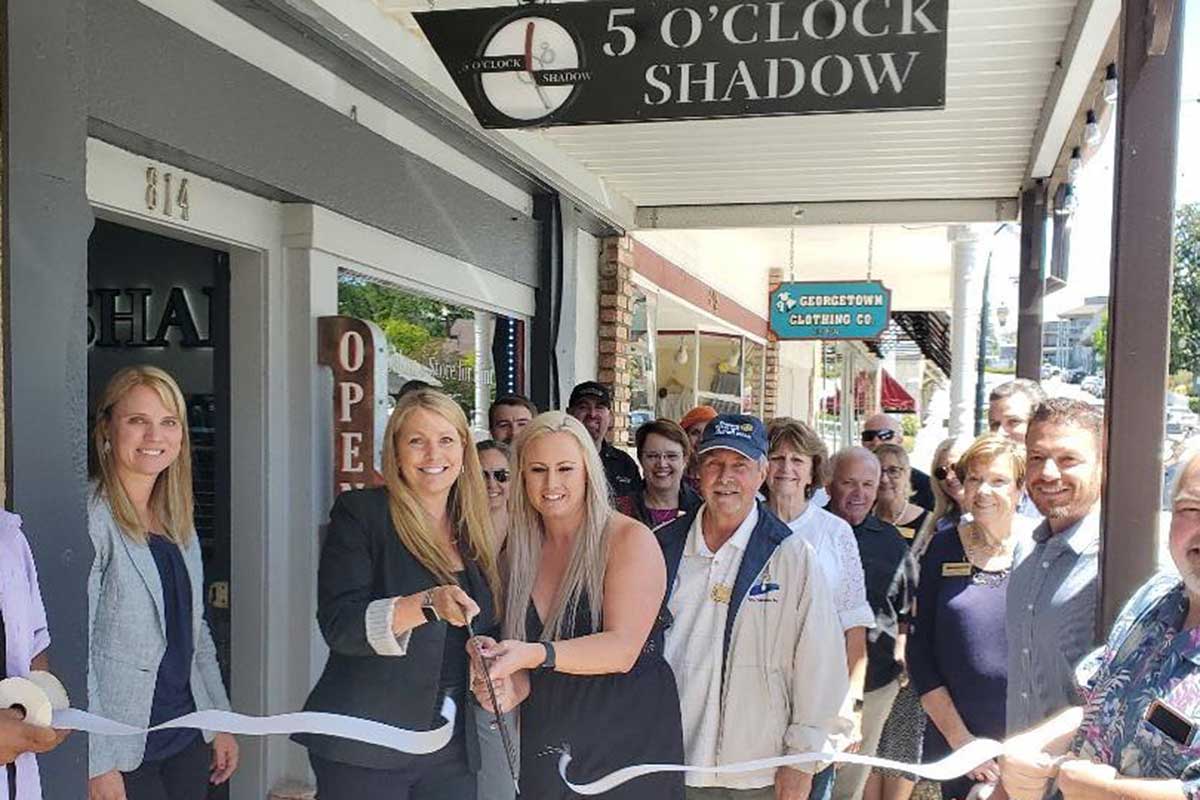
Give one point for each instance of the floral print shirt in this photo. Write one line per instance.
(1148, 657)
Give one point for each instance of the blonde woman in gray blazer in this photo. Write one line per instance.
(151, 656)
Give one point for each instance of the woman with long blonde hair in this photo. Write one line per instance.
(583, 624)
(404, 569)
(947, 493)
(151, 656)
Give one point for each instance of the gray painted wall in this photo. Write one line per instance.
(48, 221)
(153, 84)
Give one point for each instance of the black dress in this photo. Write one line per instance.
(607, 721)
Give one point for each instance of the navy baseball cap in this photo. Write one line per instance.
(738, 432)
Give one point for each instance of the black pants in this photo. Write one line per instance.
(183, 776)
(439, 776)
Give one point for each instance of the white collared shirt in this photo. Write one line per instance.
(695, 647)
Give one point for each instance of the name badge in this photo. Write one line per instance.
(722, 593)
(957, 569)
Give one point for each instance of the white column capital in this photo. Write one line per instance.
(966, 234)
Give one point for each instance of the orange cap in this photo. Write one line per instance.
(699, 414)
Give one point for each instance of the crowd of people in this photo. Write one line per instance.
(734, 593)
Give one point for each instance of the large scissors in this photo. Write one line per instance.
(510, 753)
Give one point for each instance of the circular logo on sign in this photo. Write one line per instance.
(533, 68)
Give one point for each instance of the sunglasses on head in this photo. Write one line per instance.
(499, 475)
(941, 473)
(883, 436)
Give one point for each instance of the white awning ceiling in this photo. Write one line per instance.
(1016, 71)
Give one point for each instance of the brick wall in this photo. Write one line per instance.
(616, 317)
(771, 377)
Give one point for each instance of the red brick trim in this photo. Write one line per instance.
(674, 279)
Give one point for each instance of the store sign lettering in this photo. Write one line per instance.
(606, 61)
(123, 318)
(353, 350)
(839, 310)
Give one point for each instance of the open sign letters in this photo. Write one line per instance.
(595, 62)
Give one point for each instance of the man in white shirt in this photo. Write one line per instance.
(756, 646)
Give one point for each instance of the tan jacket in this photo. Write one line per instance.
(786, 688)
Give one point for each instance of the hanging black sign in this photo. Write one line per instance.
(579, 63)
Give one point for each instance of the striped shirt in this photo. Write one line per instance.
(1051, 619)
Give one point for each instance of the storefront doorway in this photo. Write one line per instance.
(160, 301)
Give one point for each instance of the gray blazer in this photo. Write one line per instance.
(128, 637)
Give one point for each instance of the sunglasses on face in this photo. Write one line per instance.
(498, 475)
(941, 473)
(869, 436)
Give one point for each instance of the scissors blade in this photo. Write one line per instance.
(510, 755)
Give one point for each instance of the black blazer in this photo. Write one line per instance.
(363, 560)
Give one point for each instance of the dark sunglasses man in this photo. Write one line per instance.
(884, 429)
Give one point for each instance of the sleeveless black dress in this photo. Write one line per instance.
(607, 721)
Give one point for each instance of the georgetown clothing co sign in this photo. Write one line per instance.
(812, 310)
(596, 62)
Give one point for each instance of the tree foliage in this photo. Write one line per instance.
(419, 327)
(1185, 296)
(1100, 340)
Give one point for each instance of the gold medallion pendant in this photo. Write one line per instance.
(722, 593)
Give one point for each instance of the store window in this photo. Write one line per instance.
(642, 369)
(829, 390)
(676, 373)
(720, 372)
(469, 354)
(754, 386)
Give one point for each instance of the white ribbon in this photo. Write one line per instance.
(315, 722)
(957, 763)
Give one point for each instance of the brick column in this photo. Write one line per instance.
(771, 376)
(616, 317)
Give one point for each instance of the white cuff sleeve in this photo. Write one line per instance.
(379, 628)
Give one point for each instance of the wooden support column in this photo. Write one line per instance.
(1032, 285)
(1139, 310)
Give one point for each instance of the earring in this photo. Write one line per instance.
(106, 447)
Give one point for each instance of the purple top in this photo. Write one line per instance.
(958, 641)
(26, 632)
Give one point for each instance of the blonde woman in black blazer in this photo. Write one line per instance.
(403, 569)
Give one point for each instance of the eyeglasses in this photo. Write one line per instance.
(894, 472)
(670, 458)
(498, 475)
(869, 436)
(941, 473)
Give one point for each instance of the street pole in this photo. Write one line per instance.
(980, 384)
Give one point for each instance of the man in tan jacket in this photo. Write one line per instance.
(755, 645)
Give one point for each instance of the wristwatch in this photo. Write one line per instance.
(428, 608)
(547, 664)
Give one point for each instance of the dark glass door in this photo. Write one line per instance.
(160, 301)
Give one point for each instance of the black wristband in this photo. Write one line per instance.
(547, 664)
(428, 609)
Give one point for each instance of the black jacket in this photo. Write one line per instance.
(624, 475)
(363, 560)
(634, 505)
(922, 491)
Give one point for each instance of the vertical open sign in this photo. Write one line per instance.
(355, 351)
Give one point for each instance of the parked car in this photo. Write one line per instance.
(1076, 375)
(1093, 385)
(639, 417)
